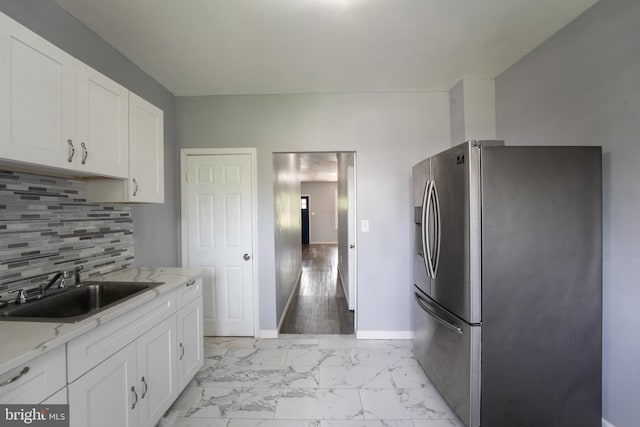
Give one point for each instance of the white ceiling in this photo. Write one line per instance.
(213, 47)
(318, 167)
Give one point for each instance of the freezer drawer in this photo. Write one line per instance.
(449, 352)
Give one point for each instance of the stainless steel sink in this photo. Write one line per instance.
(74, 304)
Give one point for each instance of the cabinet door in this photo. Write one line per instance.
(107, 395)
(146, 151)
(157, 371)
(103, 124)
(190, 342)
(35, 380)
(37, 91)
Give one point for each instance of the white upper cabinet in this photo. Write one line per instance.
(103, 124)
(146, 160)
(37, 96)
(146, 151)
(57, 112)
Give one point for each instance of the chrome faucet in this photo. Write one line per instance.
(54, 279)
(26, 295)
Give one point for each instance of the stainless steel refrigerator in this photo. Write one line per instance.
(508, 282)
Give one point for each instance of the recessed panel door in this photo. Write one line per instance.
(37, 105)
(220, 239)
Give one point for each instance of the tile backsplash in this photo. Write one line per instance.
(46, 225)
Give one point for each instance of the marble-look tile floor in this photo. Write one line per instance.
(310, 380)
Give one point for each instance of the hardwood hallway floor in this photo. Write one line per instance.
(319, 306)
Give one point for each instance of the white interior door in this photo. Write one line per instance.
(351, 212)
(220, 239)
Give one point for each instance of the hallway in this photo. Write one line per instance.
(319, 305)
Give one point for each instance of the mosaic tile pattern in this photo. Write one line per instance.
(46, 225)
(310, 381)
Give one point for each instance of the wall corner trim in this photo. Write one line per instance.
(384, 335)
(267, 333)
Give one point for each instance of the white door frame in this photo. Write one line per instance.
(184, 153)
(353, 224)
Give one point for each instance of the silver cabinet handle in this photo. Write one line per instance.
(135, 402)
(191, 283)
(246, 257)
(72, 151)
(146, 388)
(182, 354)
(439, 319)
(24, 371)
(85, 153)
(135, 187)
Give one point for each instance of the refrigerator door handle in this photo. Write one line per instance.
(438, 236)
(439, 319)
(426, 249)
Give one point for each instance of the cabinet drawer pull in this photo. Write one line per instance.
(72, 151)
(135, 402)
(191, 283)
(16, 378)
(146, 388)
(182, 354)
(85, 153)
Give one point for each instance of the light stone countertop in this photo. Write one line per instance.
(20, 342)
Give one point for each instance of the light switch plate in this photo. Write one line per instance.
(364, 225)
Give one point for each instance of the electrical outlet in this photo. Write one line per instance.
(364, 225)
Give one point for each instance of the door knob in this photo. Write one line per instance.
(352, 246)
(246, 257)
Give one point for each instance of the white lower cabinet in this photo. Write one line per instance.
(34, 381)
(134, 387)
(190, 341)
(126, 372)
(157, 372)
(107, 395)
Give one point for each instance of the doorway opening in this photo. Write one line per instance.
(318, 292)
(304, 219)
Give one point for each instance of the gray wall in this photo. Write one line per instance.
(456, 111)
(581, 88)
(56, 25)
(389, 131)
(286, 218)
(322, 211)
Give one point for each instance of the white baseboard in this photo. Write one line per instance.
(286, 307)
(346, 292)
(384, 335)
(606, 423)
(267, 333)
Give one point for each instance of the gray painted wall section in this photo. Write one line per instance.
(389, 131)
(456, 112)
(152, 247)
(322, 211)
(581, 88)
(287, 238)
